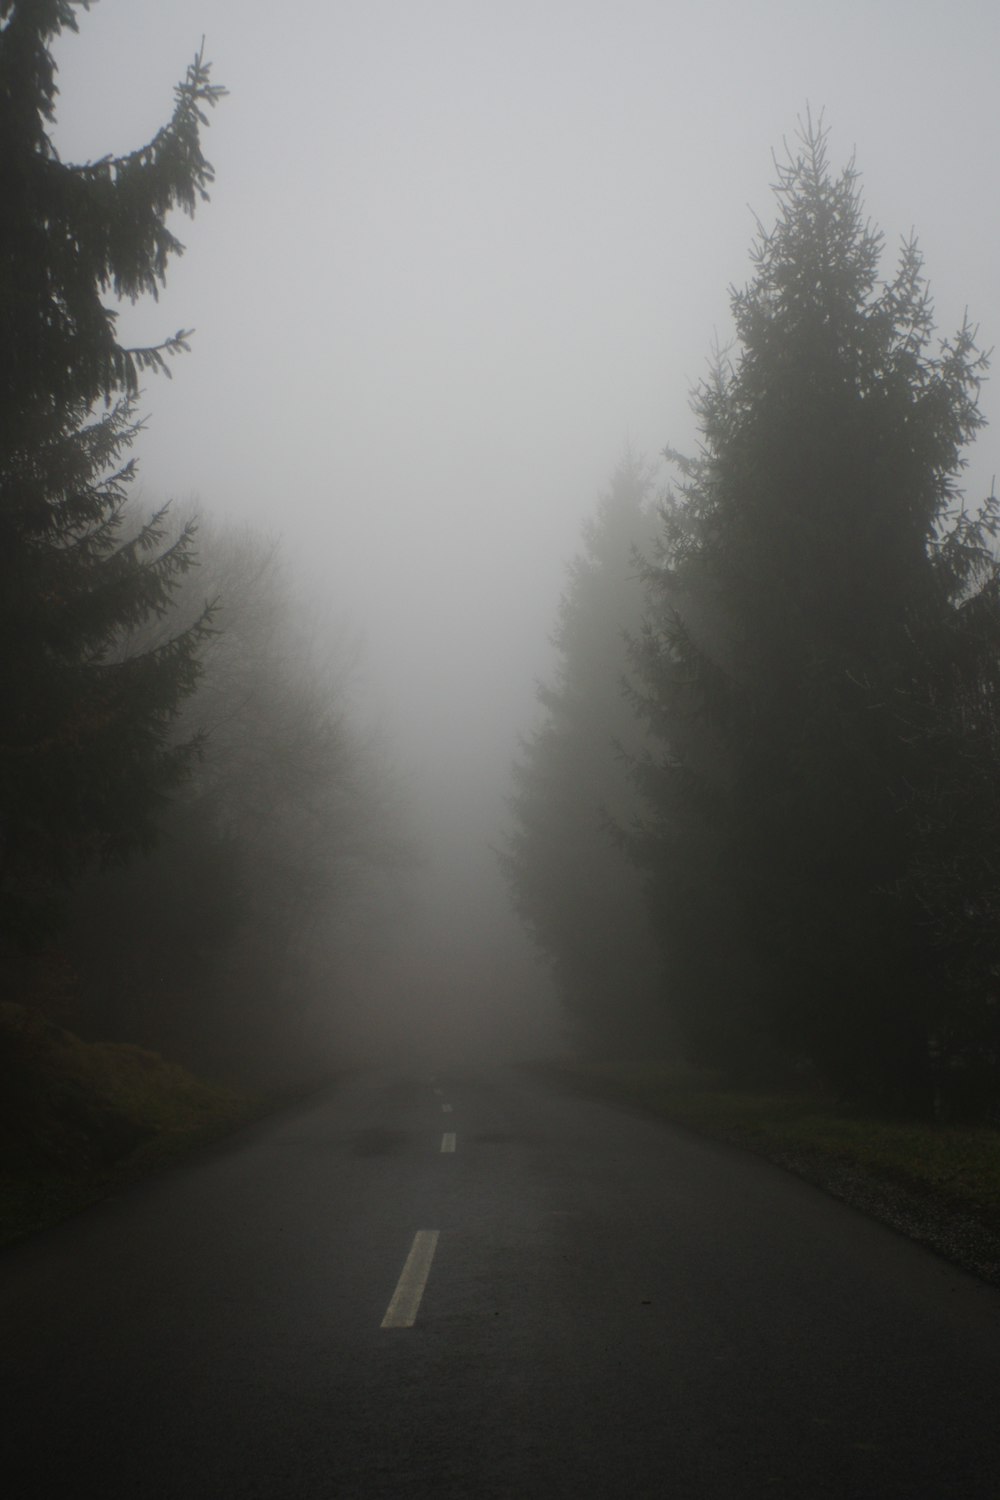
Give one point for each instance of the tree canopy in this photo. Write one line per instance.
(86, 758)
(569, 876)
(819, 663)
(228, 944)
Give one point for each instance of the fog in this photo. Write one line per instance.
(457, 256)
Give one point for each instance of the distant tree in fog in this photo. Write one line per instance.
(570, 880)
(820, 663)
(86, 753)
(225, 946)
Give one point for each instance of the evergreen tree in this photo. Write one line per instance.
(570, 879)
(820, 658)
(85, 753)
(270, 857)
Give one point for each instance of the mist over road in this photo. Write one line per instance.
(586, 1303)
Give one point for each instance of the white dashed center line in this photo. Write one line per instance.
(446, 1109)
(448, 1141)
(402, 1310)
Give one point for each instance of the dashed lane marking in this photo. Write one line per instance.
(402, 1310)
(446, 1109)
(448, 1141)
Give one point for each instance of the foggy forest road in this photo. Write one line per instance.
(610, 1307)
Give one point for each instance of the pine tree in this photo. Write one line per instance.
(86, 758)
(271, 855)
(570, 880)
(819, 659)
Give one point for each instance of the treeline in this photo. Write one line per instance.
(193, 828)
(231, 943)
(795, 680)
(571, 879)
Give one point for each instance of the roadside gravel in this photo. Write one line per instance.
(962, 1230)
(950, 1230)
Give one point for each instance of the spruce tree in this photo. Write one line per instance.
(820, 660)
(570, 879)
(86, 757)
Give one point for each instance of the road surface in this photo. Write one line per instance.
(474, 1285)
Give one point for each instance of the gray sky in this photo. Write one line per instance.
(458, 252)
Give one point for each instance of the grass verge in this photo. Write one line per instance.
(937, 1184)
(80, 1120)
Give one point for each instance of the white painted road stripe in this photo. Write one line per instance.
(439, 1091)
(446, 1109)
(402, 1310)
(448, 1141)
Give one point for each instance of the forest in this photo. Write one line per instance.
(499, 835)
(198, 833)
(758, 819)
(756, 823)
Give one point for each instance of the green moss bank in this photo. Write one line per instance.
(79, 1120)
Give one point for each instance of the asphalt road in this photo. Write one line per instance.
(609, 1307)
